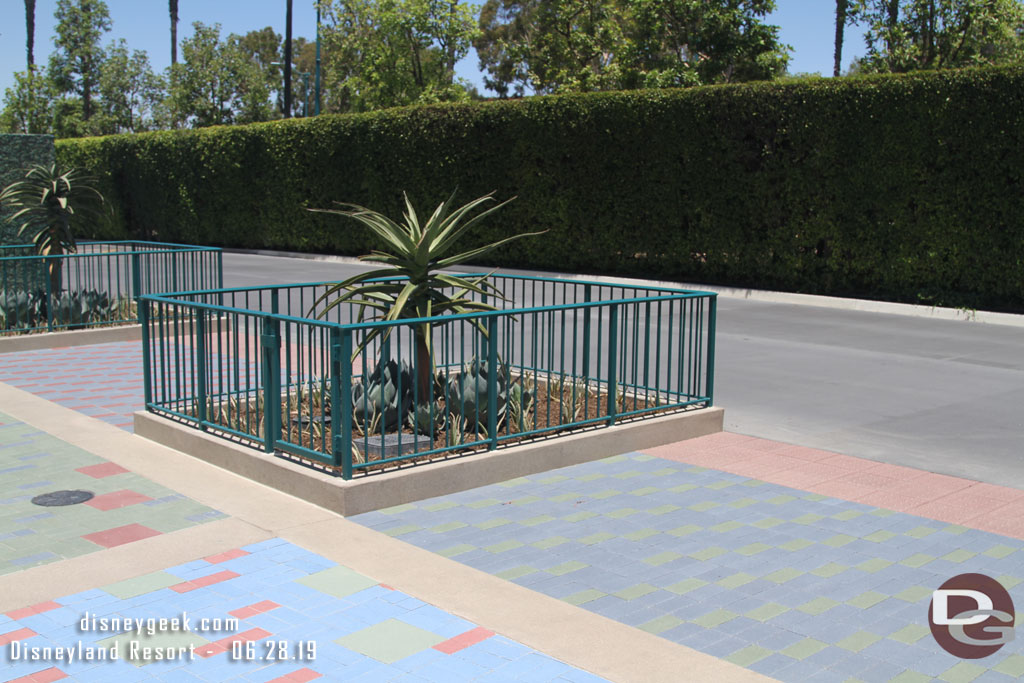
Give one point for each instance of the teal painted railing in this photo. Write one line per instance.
(260, 364)
(98, 284)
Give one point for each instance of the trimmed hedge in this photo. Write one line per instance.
(896, 187)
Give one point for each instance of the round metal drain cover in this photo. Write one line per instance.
(55, 498)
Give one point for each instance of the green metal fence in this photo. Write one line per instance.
(268, 366)
(98, 284)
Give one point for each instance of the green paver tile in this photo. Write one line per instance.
(736, 580)
(743, 503)
(628, 475)
(715, 619)
(161, 639)
(579, 516)
(637, 591)
(584, 596)
(390, 640)
(868, 599)
(526, 500)
(550, 542)
(444, 505)
(753, 483)
(566, 497)
(917, 560)
(838, 541)
(880, 536)
(663, 472)
(751, 654)
(753, 549)
(593, 539)
(515, 572)
(818, 606)
(910, 634)
(1011, 666)
(719, 485)
(914, 594)
(512, 483)
(456, 550)
(726, 527)
(445, 528)
(955, 529)
(402, 530)
(829, 570)
(1008, 581)
(814, 497)
(708, 553)
(703, 507)
(146, 583)
(684, 530)
(847, 515)
(662, 558)
(882, 512)
(796, 544)
(663, 509)
(682, 488)
(592, 477)
(767, 611)
(784, 575)
(556, 479)
(661, 624)
(767, 523)
(645, 491)
(566, 568)
(539, 519)
(959, 555)
(781, 500)
(622, 513)
(920, 532)
(686, 586)
(859, 640)
(999, 551)
(809, 518)
(493, 523)
(910, 677)
(804, 649)
(504, 546)
(337, 581)
(696, 470)
(963, 672)
(875, 564)
(641, 534)
(398, 509)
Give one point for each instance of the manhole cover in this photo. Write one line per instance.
(55, 498)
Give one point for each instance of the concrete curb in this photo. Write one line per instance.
(56, 340)
(385, 490)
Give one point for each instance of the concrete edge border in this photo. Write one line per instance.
(767, 296)
(56, 340)
(374, 492)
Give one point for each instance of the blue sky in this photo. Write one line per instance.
(806, 25)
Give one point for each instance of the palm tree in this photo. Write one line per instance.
(30, 30)
(841, 6)
(173, 5)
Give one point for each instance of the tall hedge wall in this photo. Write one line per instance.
(906, 188)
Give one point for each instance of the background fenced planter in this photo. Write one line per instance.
(565, 355)
(100, 282)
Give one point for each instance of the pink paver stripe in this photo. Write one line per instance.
(225, 556)
(20, 634)
(464, 640)
(104, 469)
(255, 608)
(117, 499)
(300, 676)
(999, 509)
(204, 581)
(33, 609)
(128, 533)
(44, 676)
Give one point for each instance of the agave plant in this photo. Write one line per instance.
(385, 399)
(468, 393)
(48, 201)
(411, 284)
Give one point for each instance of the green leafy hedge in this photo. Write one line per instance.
(895, 187)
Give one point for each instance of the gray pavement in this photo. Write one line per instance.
(940, 395)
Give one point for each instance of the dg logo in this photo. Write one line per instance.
(971, 616)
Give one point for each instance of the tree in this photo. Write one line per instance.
(75, 66)
(261, 51)
(172, 5)
(28, 106)
(30, 31)
(130, 90)
(908, 35)
(841, 12)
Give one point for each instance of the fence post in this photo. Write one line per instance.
(147, 381)
(271, 344)
(136, 276)
(492, 382)
(613, 363)
(341, 400)
(712, 318)
(203, 412)
(49, 292)
(586, 332)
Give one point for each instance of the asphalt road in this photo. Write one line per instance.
(944, 396)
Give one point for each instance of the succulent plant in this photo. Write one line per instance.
(467, 393)
(21, 310)
(385, 399)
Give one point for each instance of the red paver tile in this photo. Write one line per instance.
(243, 637)
(105, 469)
(999, 523)
(243, 612)
(33, 609)
(957, 508)
(300, 676)
(117, 499)
(896, 471)
(808, 474)
(20, 634)
(870, 479)
(931, 486)
(899, 501)
(44, 676)
(255, 608)
(203, 581)
(848, 462)
(225, 556)
(464, 640)
(846, 490)
(128, 533)
(1001, 493)
(805, 453)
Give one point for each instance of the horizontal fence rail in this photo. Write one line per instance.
(275, 368)
(98, 284)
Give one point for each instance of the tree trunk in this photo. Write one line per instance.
(840, 28)
(288, 60)
(424, 370)
(30, 30)
(173, 6)
(54, 268)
